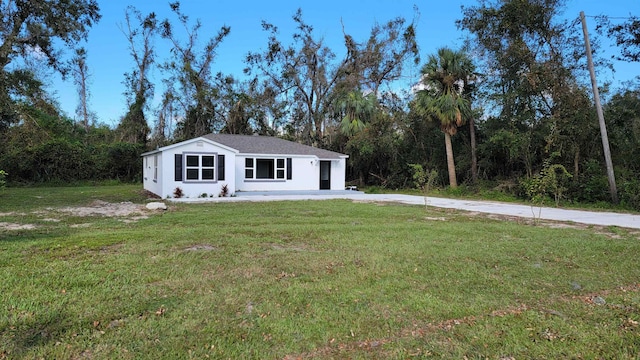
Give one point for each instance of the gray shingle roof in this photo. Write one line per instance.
(254, 144)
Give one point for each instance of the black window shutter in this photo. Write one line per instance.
(220, 167)
(289, 171)
(178, 168)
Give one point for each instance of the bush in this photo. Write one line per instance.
(591, 185)
(3, 176)
(628, 188)
(551, 181)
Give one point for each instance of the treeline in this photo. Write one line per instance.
(54, 149)
(507, 111)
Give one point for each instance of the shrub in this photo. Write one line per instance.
(3, 177)
(178, 193)
(424, 179)
(224, 191)
(551, 181)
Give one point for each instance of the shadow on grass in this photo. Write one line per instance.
(43, 233)
(27, 333)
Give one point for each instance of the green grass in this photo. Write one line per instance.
(309, 279)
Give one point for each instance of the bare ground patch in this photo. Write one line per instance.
(127, 211)
(103, 208)
(201, 248)
(11, 213)
(13, 226)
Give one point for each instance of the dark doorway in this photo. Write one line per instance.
(325, 175)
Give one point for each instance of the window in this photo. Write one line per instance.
(155, 168)
(264, 168)
(199, 167)
(248, 168)
(267, 169)
(280, 168)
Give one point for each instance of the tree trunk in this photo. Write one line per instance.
(576, 165)
(451, 166)
(474, 158)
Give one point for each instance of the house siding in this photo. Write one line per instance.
(338, 174)
(304, 174)
(167, 184)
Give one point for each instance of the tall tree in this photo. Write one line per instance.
(191, 73)
(164, 122)
(381, 59)
(531, 60)
(140, 32)
(307, 79)
(302, 74)
(442, 100)
(81, 75)
(37, 26)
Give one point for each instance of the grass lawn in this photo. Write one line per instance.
(307, 279)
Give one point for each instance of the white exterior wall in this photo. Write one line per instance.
(165, 185)
(194, 189)
(148, 170)
(305, 175)
(338, 174)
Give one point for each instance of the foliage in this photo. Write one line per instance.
(424, 179)
(357, 111)
(627, 36)
(3, 179)
(305, 82)
(552, 180)
(166, 286)
(178, 193)
(536, 59)
(224, 191)
(133, 127)
(42, 25)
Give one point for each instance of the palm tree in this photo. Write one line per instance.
(358, 109)
(444, 76)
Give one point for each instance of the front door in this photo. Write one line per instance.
(325, 175)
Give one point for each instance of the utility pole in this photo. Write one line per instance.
(603, 127)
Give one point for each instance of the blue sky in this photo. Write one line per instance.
(108, 55)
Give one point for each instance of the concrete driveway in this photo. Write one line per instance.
(489, 207)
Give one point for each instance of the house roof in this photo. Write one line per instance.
(255, 144)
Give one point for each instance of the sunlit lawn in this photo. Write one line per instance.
(309, 279)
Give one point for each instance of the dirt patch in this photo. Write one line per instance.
(128, 211)
(103, 208)
(11, 213)
(201, 248)
(12, 226)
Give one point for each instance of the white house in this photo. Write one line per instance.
(202, 166)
